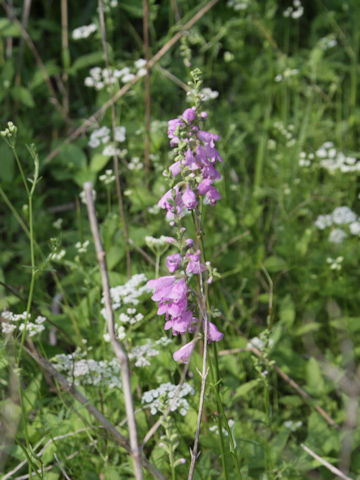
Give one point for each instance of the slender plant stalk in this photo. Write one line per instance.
(116, 159)
(65, 52)
(117, 346)
(163, 50)
(147, 86)
(24, 22)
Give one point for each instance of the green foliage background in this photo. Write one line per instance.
(262, 238)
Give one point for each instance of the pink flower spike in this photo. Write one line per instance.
(173, 262)
(189, 198)
(184, 353)
(213, 333)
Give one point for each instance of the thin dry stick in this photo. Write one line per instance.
(116, 159)
(117, 347)
(326, 464)
(173, 78)
(163, 50)
(24, 22)
(38, 60)
(61, 467)
(108, 426)
(147, 86)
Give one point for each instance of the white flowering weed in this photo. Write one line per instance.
(158, 399)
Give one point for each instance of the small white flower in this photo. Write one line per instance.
(337, 236)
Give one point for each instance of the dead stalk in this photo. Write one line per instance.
(117, 347)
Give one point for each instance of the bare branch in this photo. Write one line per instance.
(326, 464)
(117, 347)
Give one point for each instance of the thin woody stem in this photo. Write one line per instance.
(117, 346)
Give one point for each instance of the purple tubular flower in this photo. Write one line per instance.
(181, 324)
(204, 186)
(208, 137)
(189, 198)
(189, 115)
(162, 287)
(173, 262)
(175, 169)
(213, 333)
(194, 265)
(178, 291)
(212, 195)
(172, 126)
(184, 353)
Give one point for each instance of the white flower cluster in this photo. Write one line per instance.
(343, 216)
(109, 4)
(57, 256)
(287, 73)
(293, 426)
(88, 371)
(335, 263)
(295, 12)
(135, 164)
(260, 342)
(238, 5)
(306, 159)
(328, 42)
(161, 242)
(58, 223)
(15, 321)
(10, 131)
(84, 31)
(102, 136)
(215, 428)
(332, 160)
(107, 178)
(141, 354)
(82, 247)
(100, 78)
(158, 399)
(128, 293)
(131, 316)
(287, 133)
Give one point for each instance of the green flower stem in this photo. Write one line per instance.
(217, 381)
(33, 274)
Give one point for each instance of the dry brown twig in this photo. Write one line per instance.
(325, 463)
(163, 50)
(117, 346)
